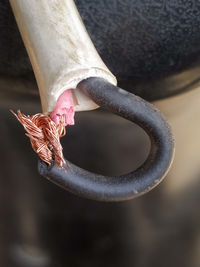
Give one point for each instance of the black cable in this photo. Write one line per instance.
(140, 181)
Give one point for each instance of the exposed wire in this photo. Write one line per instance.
(44, 136)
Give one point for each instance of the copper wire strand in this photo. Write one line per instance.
(44, 136)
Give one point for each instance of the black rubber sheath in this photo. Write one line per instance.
(128, 186)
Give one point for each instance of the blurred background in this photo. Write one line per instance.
(153, 49)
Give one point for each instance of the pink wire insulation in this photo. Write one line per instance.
(64, 106)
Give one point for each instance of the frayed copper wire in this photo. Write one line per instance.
(44, 136)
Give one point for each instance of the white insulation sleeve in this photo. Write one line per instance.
(60, 50)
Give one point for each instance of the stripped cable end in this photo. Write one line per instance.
(45, 131)
(44, 136)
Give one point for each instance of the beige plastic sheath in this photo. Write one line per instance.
(59, 48)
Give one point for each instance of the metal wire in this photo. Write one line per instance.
(44, 136)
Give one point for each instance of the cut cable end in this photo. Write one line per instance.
(44, 136)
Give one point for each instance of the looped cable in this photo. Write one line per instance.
(133, 184)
